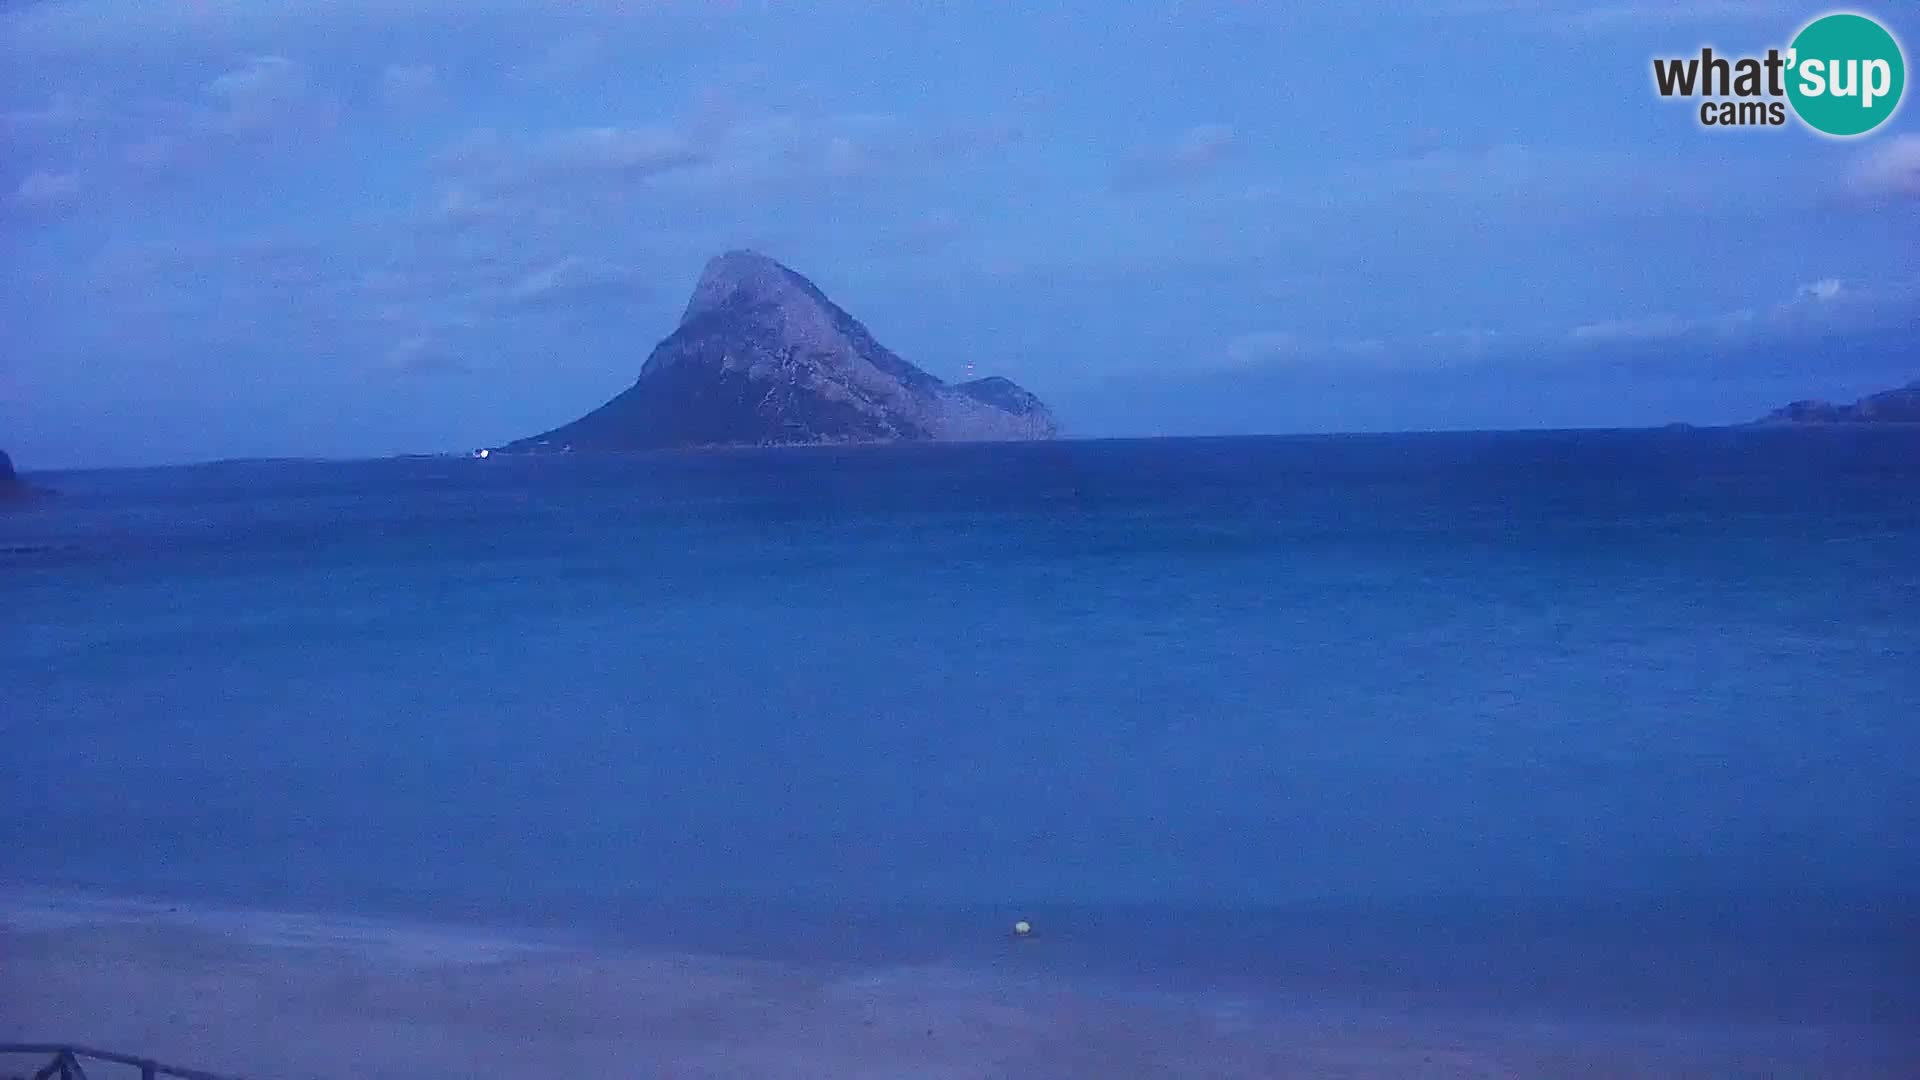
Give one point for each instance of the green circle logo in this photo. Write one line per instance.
(1846, 74)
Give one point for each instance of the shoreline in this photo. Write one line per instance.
(445, 456)
(277, 993)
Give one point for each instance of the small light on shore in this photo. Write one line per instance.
(1022, 928)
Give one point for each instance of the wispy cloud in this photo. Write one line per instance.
(1640, 328)
(409, 86)
(423, 354)
(619, 155)
(1825, 303)
(932, 230)
(1888, 170)
(557, 61)
(45, 191)
(1263, 346)
(266, 102)
(576, 280)
(1268, 348)
(266, 95)
(459, 208)
(62, 112)
(1188, 156)
(618, 151)
(1823, 290)
(1584, 179)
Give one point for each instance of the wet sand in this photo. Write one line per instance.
(284, 995)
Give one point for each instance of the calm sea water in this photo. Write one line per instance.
(1222, 701)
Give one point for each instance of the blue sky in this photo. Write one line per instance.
(257, 227)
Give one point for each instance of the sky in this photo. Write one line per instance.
(237, 228)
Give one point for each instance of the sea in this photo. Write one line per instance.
(1617, 722)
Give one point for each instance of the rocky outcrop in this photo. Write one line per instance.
(1003, 393)
(1899, 406)
(762, 357)
(11, 486)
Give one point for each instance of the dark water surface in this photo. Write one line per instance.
(1627, 718)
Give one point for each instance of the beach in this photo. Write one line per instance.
(274, 994)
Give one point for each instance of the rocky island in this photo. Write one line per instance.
(1898, 406)
(762, 358)
(11, 486)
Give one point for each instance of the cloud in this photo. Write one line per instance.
(61, 113)
(267, 101)
(1818, 307)
(459, 208)
(265, 95)
(447, 279)
(1644, 328)
(261, 79)
(1265, 345)
(930, 231)
(156, 153)
(1587, 180)
(44, 191)
(382, 295)
(561, 60)
(780, 148)
(575, 280)
(1823, 290)
(1825, 303)
(619, 151)
(422, 354)
(594, 155)
(869, 145)
(479, 150)
(1202, 146)
(409, 86)
(842, 156)
(1503, 171)
(1730, 324)
(975, 139)
(720, 153)
(1472, 341)
(1192, 154)
(1889, 170)
(1269, 347)
(272, 261)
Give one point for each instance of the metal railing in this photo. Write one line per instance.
(69, 1063)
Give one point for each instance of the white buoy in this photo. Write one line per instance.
(1022, 928)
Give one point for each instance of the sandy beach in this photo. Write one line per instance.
(288, 995)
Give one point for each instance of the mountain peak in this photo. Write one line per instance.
(743, 276)
(762, 357)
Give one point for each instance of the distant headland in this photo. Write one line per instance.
(761, 358)
(1897, 406)
(11, 486)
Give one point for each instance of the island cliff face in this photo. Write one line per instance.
(1900, 406)
(11, 486)
(762, 357)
